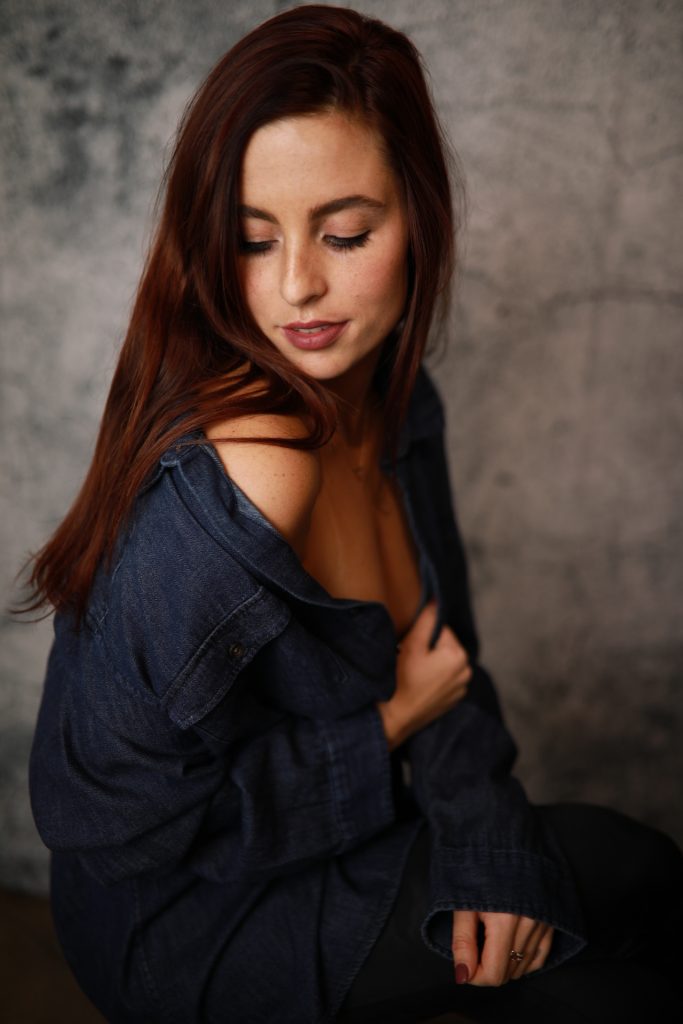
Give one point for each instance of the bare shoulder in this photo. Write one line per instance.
(282, 482)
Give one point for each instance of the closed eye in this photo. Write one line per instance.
(347, 242)
(254, 247)
(339, 242)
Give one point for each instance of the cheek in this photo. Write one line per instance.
(384, 283)
(255, 290)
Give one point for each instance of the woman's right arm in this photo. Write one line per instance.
(155, 745)
(131, 784)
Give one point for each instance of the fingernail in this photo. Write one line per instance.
(462, 974)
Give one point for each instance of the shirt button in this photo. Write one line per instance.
(236, 650)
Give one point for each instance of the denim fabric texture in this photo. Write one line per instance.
(210, 771)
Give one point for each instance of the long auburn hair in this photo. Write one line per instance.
(193, 355)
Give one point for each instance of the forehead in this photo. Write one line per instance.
(315, 157)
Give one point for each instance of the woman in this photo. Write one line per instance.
(272, 772)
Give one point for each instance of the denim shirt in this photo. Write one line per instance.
(210, 769)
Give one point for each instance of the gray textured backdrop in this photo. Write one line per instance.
(563, 377)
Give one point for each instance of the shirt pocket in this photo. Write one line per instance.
(210, 673)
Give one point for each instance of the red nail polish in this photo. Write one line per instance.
(462, 974)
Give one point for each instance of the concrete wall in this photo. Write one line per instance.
(563, 376)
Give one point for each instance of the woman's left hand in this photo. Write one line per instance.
(503, 934)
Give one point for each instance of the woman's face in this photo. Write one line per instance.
(324, 241)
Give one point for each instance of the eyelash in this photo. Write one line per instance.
(340, 243)
(352, 242)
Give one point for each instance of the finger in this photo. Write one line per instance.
(536, 951)
(447, 639)
(464, 945)
(420, 633)
(460, 689)
(464, 676)
(449, 647)
(523, 941)
(452, 659)
(539, 955)
(526, 941)
(494, 959)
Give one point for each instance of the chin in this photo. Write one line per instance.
(322, 365)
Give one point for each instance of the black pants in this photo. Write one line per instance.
(630, 883)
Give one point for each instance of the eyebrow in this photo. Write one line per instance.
(318, 212)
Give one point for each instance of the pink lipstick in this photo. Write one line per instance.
(313, 334)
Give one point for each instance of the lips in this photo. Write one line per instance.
(313, 334)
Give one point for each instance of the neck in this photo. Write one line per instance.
(358, 404)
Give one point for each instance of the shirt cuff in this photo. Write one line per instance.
(502, 881)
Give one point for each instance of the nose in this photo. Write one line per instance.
(302, 279)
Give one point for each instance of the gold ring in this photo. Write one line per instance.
(514, 955)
